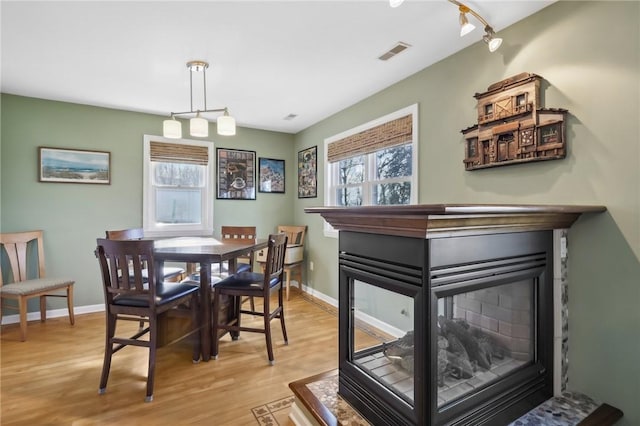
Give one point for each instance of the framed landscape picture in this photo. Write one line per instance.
(73, 166)
(307, 173)
(236, 174)
(271, 175)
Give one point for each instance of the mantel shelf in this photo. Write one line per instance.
(446, 220)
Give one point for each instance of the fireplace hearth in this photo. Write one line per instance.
(461, 298)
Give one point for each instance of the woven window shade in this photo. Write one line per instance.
(391, 133)
(178, 153)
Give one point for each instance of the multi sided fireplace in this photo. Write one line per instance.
(446, 312)
(473, 342)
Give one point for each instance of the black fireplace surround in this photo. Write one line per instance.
(438, 274)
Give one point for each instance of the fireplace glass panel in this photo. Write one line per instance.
(383, 338)
(484, 335)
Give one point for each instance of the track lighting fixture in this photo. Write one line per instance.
(466, 27)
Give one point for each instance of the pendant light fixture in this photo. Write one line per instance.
(198, 126)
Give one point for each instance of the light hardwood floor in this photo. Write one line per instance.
(52, 378)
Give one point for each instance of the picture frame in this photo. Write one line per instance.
(236, 172)
(66, 165)
(271, 175)
(308, 172)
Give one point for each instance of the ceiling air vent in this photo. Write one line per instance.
(401, 46)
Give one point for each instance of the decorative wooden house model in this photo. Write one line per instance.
(512, 126)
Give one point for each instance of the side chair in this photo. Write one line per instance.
(128, 297)
(170, 273)
(240, 233)
(256, 285)
(28, 277)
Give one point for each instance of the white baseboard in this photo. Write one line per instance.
(315, 293)
(54, 313)
(87, 309)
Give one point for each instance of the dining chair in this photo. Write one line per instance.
(25, 253)
(129, 296)
(294, 258)
(170, 273)
(240, 233)
(257, 285)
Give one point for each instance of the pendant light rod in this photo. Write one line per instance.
(199, 110)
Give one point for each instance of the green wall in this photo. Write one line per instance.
(74, 215)
(588, 53)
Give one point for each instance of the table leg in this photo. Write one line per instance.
(205, 309)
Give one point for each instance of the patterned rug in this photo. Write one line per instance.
(275, 413)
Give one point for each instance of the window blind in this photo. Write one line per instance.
(178, 153)
(391, 133)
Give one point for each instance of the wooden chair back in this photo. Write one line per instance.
(231, 233)
(274, 265)
(126, 234)
(294, 233)
(122, 263)
(240, 233)
(17, 246)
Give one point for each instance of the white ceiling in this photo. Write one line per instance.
(268, 59)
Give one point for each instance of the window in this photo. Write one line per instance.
(178, 187)
(373, 164)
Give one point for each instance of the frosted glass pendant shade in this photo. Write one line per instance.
(199, 127)
(226, 125)
(172, 129)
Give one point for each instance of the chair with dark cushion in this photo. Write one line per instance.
(129, 296)
(29, 279)
(230, 234)
(170, 273)
(256, 285)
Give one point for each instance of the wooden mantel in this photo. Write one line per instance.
(446, 220)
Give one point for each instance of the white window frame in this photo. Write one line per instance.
(331, 179)
(153, 229)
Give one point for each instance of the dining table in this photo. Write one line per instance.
(203, 251)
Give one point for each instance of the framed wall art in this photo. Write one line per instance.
(271, 175)
(307, 173)
(74, 166)
(236, 174)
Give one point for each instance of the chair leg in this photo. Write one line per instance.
(287, 272)
(108, 352)
(267, 329)
(22, 306)
(153, 343)
(70, 304)
(281, 316)
(43, 308)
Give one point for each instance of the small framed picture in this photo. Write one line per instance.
(236, 174)
(271, 175)
(74, 166)
(307, 173)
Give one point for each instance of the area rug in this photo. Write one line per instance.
(275, 413)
